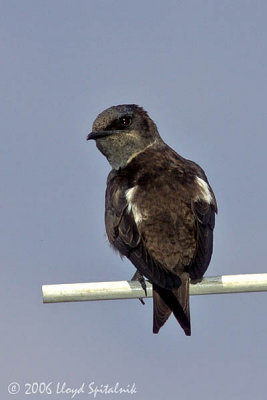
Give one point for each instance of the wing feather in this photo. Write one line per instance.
(205, 222)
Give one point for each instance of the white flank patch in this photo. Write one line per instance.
(131, 206)
(204, 192)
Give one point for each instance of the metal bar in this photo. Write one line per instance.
(133, 289)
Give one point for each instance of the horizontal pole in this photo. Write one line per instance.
(133, 289)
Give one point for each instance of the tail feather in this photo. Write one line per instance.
(167, 301)
(161, 311)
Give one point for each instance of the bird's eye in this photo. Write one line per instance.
(125, 121)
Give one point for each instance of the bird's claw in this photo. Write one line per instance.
(139, 277)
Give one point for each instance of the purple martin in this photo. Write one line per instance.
(160, 209)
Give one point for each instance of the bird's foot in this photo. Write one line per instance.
(139, 277)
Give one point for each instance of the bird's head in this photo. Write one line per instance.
(122, 131)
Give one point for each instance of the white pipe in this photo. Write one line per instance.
(133, 289)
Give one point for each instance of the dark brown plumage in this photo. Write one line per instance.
(160, 209)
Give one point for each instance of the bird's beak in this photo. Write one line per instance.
(98, 134)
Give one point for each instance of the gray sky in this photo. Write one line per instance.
(199, 69)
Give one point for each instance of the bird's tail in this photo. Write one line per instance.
(167, 301)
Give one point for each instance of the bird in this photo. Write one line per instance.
(159, 209)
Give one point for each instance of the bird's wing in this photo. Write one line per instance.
(123, 234)
(205, 222)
